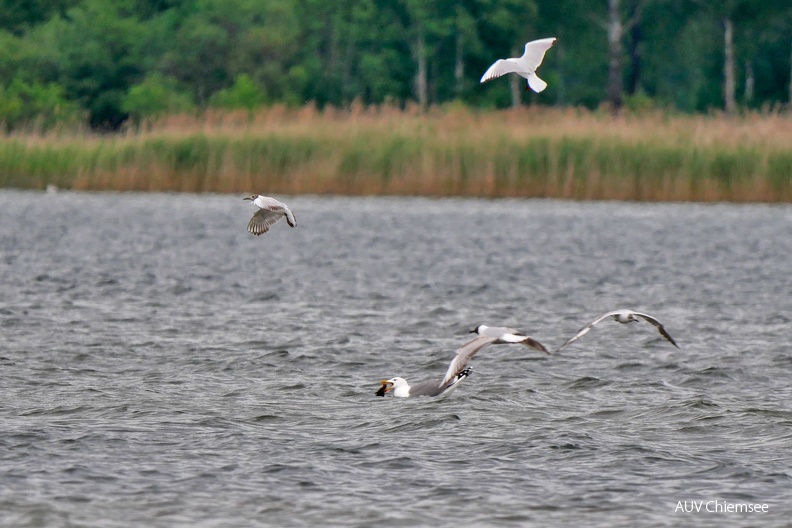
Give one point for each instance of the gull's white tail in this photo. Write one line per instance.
(536, 84)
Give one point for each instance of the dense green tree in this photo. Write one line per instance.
(154, 97)
(100, 57)
(242, 95)
(578, 63)
(139, 58)
(41, 105)
(18, 16)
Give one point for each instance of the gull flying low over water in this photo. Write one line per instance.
(524, 66)
(503, 335)
(457, 371)
(269, 211)
(622, 316)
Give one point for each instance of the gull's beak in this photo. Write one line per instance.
(385, 387)
(247, 198)
(472, 331)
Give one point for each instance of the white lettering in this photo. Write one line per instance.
(717, 506)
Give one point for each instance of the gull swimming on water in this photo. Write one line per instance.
(269, 211)
(503, 334)
(622, 316)
(524, 66)
(457, 371)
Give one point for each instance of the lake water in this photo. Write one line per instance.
(159, 366)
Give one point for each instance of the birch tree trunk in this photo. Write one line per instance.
(515, 81)
(634, 51)
(730, 103)
(615, 83)
(749, 82)
(459, 65)
(421, 87)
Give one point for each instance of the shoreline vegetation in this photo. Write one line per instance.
(530, 152)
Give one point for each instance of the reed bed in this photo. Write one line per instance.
(450, 151)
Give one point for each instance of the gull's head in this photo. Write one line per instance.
(478, 329)
(391, 384)
(625, 316)
(251, 197)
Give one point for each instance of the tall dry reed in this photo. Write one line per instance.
(529, 152)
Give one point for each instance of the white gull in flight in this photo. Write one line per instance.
(503, 335)
(269, 211)
(457, 371)
(524, 66)
(622, 316)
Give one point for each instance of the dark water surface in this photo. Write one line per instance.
(161, 367)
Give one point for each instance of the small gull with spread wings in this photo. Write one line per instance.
(269, 211)
(524, 66)
(622, 316)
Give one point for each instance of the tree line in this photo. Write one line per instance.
(109, 62)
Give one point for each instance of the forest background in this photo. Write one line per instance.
(679, 99)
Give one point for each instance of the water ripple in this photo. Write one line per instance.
(180, 372)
